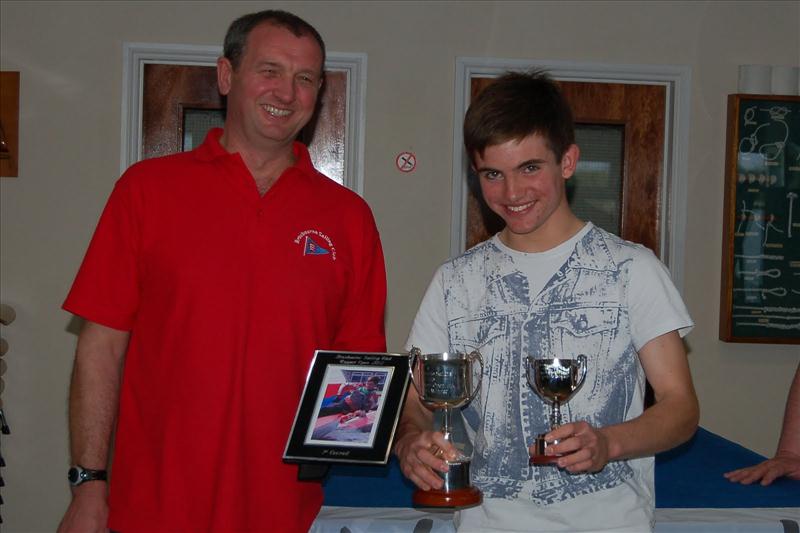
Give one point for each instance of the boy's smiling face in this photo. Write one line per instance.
(523, 183)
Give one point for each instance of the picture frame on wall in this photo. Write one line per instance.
(9, 124)
(760, 282)
(349, 409)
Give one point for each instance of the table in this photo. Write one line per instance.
(691, 496)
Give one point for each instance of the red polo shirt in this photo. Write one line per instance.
(226, 294)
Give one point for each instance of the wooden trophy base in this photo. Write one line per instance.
(543, 460)
(466, 497)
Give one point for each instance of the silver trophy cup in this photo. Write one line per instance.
(445, 382)
(555, 381)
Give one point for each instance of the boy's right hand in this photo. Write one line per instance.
(421, 455)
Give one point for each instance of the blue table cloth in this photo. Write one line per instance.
(689, 476)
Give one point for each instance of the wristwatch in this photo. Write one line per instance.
(77, 475)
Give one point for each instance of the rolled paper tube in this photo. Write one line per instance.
(755, 79)
(785, 80)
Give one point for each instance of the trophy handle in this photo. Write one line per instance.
(581, 370)
(472, 356)
(413, 356)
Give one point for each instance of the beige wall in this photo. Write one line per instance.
(70, 58)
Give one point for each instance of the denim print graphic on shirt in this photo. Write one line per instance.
(581, 310)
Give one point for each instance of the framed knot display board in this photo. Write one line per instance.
(760, 293)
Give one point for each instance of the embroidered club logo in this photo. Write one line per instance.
(314, 242)
(312, 247)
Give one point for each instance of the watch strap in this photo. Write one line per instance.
(78, 474)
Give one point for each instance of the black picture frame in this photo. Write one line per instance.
(369, 388)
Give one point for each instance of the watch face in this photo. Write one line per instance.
(78, 474)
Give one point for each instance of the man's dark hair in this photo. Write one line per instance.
(239, 30)
(375, 379)
(514, 106)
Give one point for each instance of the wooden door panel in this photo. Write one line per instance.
(641, 109)
(325, 134)
(167, 91)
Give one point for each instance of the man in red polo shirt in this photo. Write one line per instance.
(212, 277)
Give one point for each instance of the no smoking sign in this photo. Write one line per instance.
(406, 162)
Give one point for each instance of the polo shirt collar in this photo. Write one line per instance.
(211, 149)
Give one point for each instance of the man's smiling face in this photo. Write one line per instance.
(273, 91)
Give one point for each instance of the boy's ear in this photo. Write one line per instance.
(569, 161)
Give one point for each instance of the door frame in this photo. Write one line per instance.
(677, 81)
(136, 55)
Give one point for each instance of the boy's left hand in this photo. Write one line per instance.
(585, 448)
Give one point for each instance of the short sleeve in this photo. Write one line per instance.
(106, 288)
(655, 305)
(362, 326)
(429, 330)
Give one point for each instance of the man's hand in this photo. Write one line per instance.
(585, 448)
(88, 510)
(421, 453)
(93, 401)
(783, 464)
(787, 459)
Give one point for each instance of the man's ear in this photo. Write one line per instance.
(224, 74)
(569, 161)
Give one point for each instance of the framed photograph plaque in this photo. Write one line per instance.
(349, 409)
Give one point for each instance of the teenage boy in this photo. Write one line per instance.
(551, 284)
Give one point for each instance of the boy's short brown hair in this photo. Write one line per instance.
(516, 105)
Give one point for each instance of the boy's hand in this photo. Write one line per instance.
(585, 448)
(421, 454)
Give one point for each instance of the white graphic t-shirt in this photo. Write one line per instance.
(594, 295)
